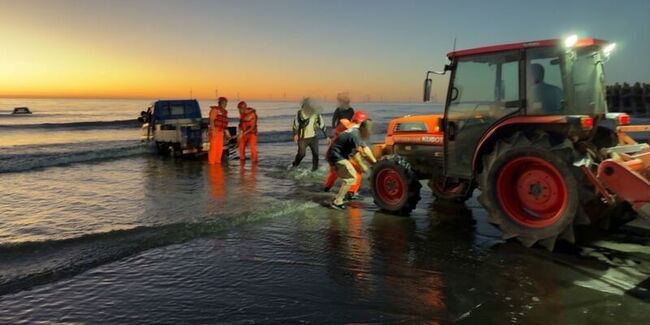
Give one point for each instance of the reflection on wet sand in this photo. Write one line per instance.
(381, 261)
(396, 244)
(348, 250)
(248, 179)
(217, 181)
(436, 267)
(348, 239)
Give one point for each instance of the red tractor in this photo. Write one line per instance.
(526, 124)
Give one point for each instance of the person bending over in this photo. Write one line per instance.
(357, 163)
(342, 149)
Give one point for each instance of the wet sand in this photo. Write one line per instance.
(444, 264)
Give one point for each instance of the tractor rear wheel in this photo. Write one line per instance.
(529, 189)
(395, 186)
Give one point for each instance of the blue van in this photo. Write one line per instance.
(174, 127)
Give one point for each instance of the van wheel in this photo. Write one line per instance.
(162, 148)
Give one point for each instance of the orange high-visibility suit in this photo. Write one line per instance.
(219, 121)
(343, 125)
(248, 127)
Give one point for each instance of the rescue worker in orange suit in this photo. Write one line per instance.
(342, 149)
(218, 130)
(352, 194)
(247, 131)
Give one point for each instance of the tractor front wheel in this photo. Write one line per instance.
(395, 186)
(529, 189)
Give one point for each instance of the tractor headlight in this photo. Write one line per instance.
(570, 41)
(607, 50)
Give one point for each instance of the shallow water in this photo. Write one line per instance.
(98, 230)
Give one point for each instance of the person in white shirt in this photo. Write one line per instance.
(306, 124)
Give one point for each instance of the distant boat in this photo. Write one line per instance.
(21, 110)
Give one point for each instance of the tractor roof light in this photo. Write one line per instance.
(607, 50)
(571, 41)
(618, 118)
(586, 122)
(623, 119)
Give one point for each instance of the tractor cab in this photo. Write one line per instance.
(493, 87)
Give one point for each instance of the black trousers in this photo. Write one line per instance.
(312, 143)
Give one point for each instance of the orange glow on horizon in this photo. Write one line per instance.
(43, 60)
(41, 66)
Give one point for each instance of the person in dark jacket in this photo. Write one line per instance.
(545, 98)
(343, 110)
(344, 146)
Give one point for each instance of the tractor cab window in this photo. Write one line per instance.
(484, 86)
(544, 82)
(586, 80)
(484, 89)
(565, 82)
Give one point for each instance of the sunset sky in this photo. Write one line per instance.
(264, 49)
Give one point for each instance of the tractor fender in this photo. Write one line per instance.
(380, 150)
(511, 124)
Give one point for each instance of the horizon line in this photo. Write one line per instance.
(195, 98)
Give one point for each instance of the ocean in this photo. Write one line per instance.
(96, 228)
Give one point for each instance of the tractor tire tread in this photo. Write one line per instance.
(412, 184)
(537, 143)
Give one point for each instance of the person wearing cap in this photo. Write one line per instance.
(343, 110)
(342, 149)
(247, 131)
(305, 131)
(217, 130)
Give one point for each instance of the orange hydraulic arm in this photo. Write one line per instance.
(628, 175)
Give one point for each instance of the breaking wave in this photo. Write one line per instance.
(64, 154)
(94, 125)
(274, 137)
(28, 264)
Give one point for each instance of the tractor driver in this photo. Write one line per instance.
(547, 95)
